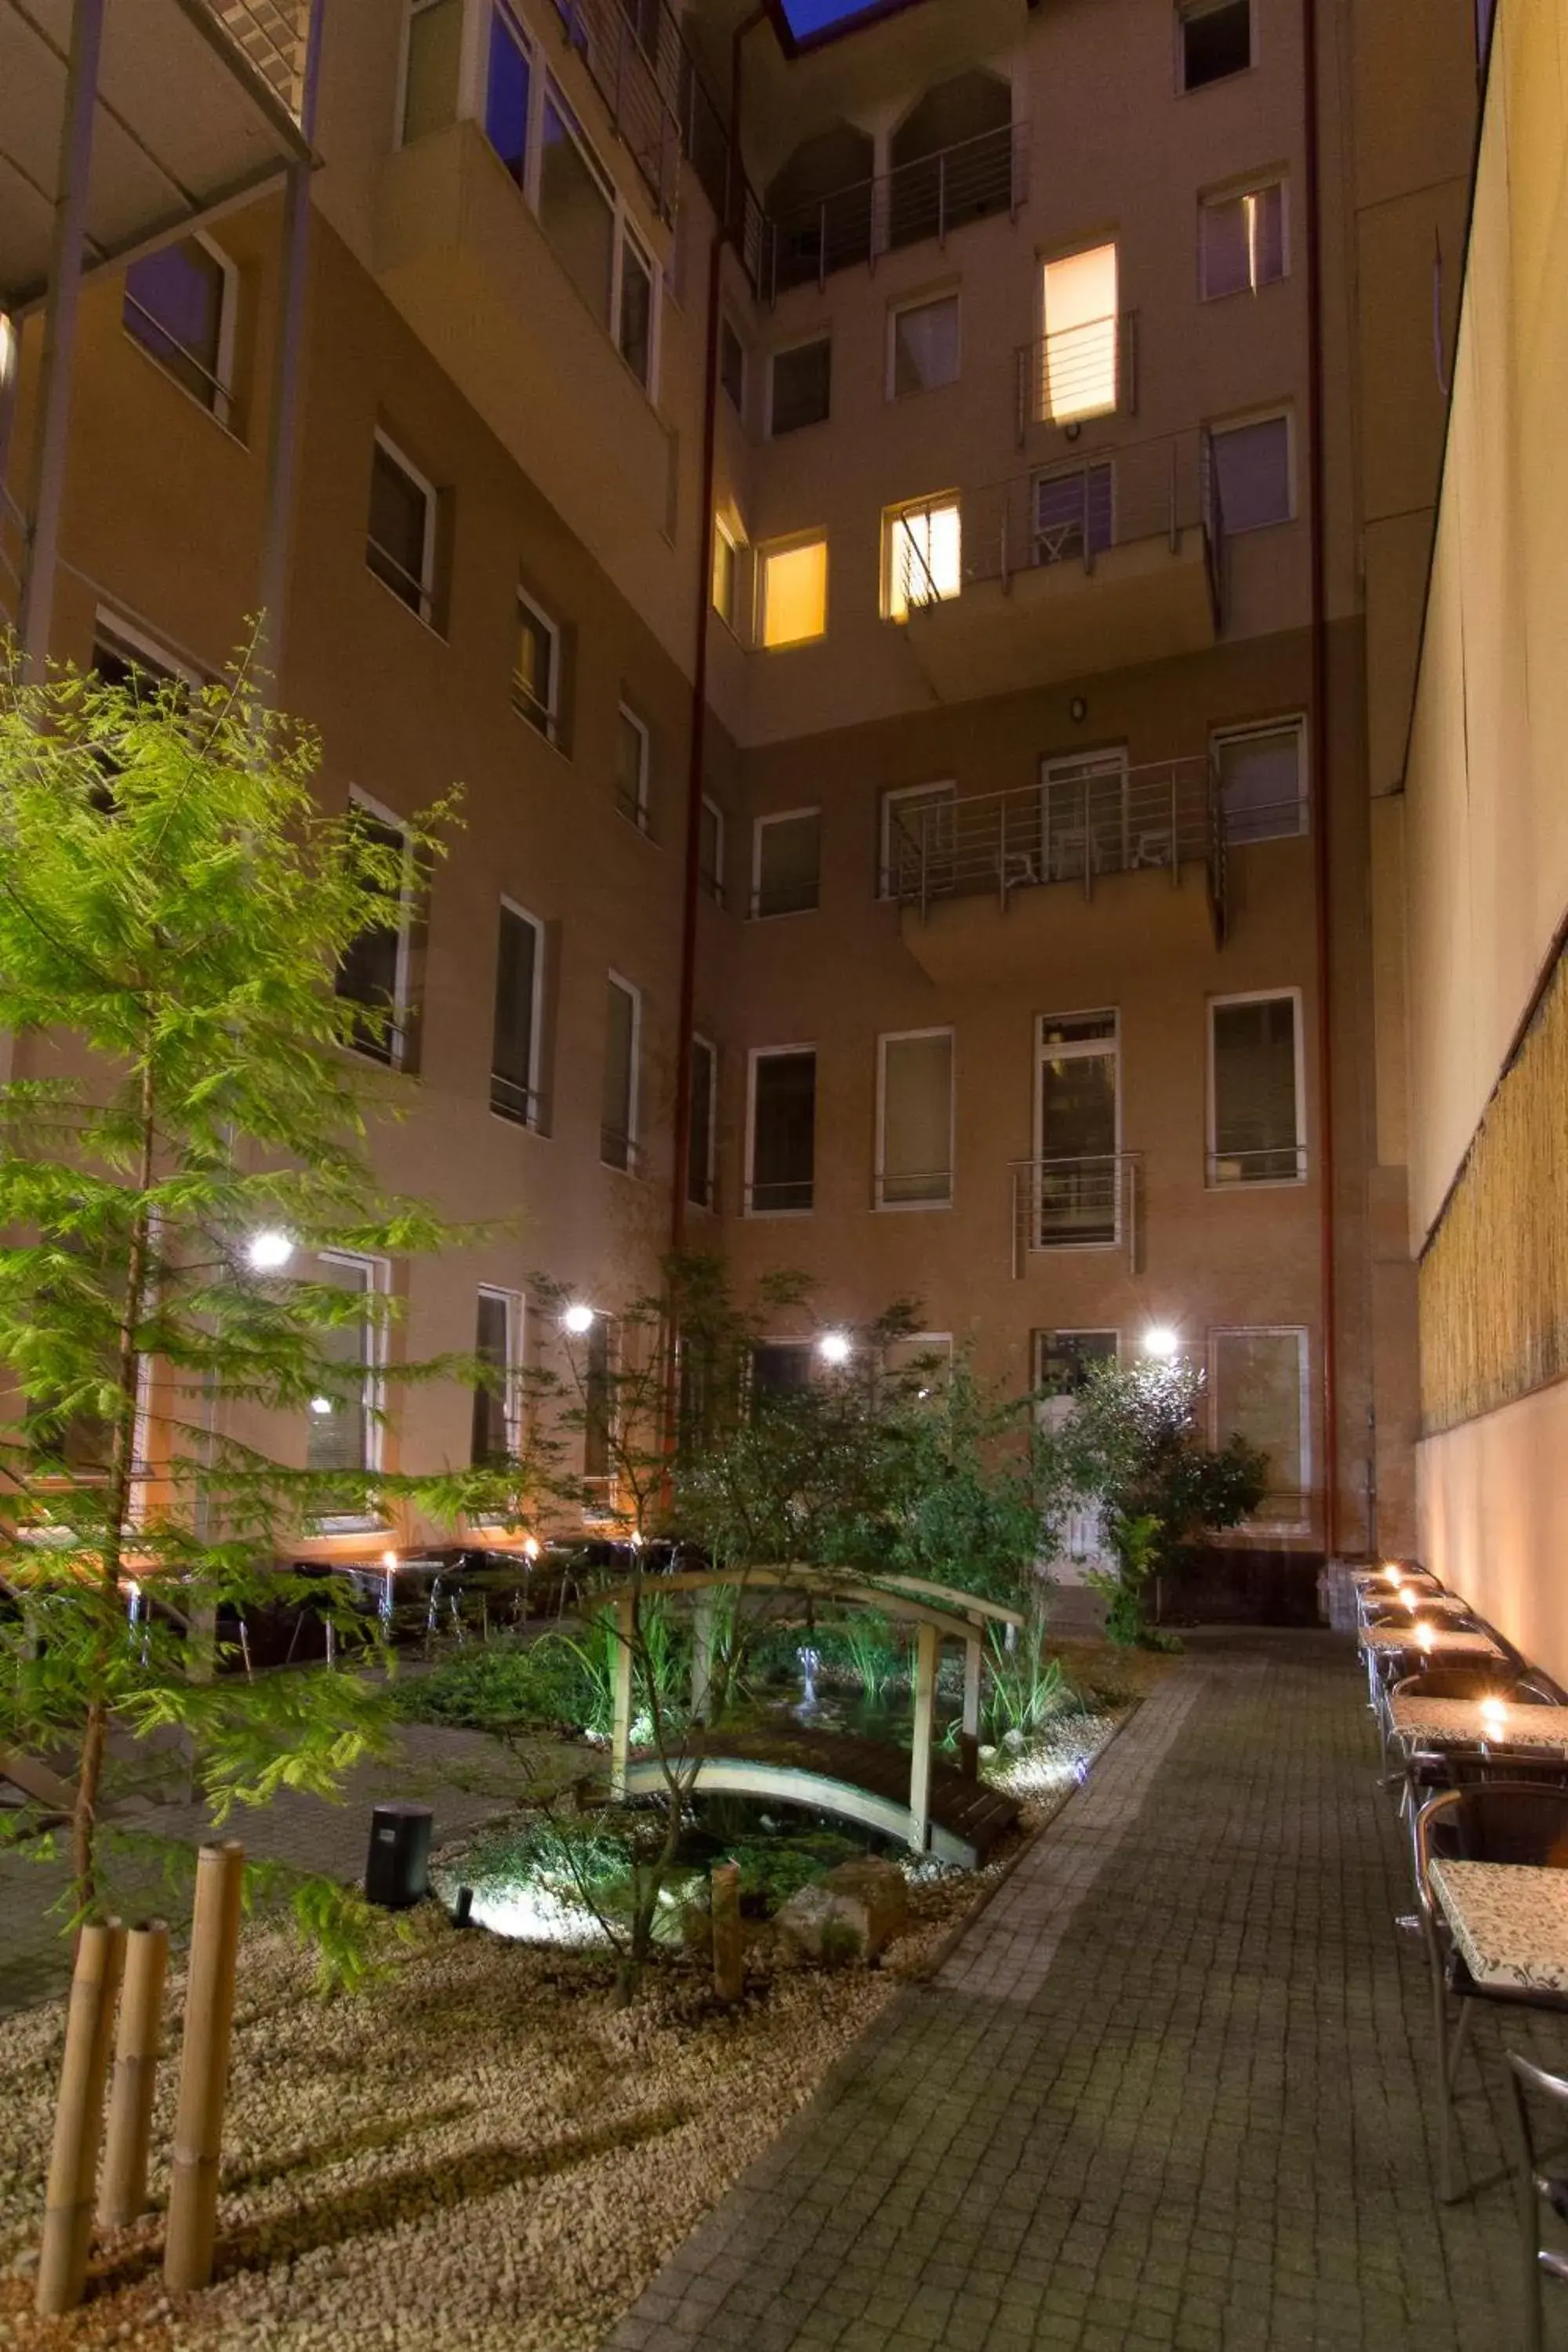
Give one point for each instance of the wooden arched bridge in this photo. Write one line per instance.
(914, 1797)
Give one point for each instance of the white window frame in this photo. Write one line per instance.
(944, 786)
(536, 1020)
(1301, 1334)
(715, 895)
(107, 622)
(1241, 731)
(627, 233)
(516, 1310)
(927, 301)
(1214, 1183)
(220, 408)
(544, 89)
(638, 816)
(425, 583)
(1079, 1049)
(403, 983)
(759, 826)
(782, 351)
(523, 702)
(1219, 427)
(905, 1037)
(895, 519)
(1213, 199)
(1189, 8)
(772, 1054)
(377, 1286)
(634, 1089)
(701, 1044)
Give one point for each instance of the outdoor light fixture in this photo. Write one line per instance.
(577, 1319)
(321, 1405)
(834, 1348)
(1161, 1342)
(269, 1250)
(389, 1562)
(530, 1547)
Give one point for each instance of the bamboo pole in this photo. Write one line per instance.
(122, 2193)
(204, 2069)
(927, 1652)
(79, 2118)
(729, 1955)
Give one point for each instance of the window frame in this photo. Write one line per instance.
(1278, 412)
(1216, 199)
(726, 535)
(1301, 1333)
(1183, 14)
(823, 340)
(1245, 730)
(701, 1045)
(221, 406)
(636, 817)
(1080, 1049)
(399, 1034)
(759, 826)
(899, 309)
(425, 610)
(755, 1055)
(942, 791)
(109, 624)
(632, 1167)
(885, 1038)
(374, 1390)
(511, 1401)
(768, 550)
(712, 887)
(623, 225)
(1243, 1184)
(895, 519)
(531, 1119)
(523, 702)
(736, 398)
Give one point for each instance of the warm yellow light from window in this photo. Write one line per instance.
(1080, 322)
(794, 594)
(925, 558)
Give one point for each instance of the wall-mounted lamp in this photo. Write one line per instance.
(1161, 1342)
(834, 1348)
(577, 1319)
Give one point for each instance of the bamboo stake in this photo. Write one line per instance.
(79, 2118)
(729, 1956)
(204, 2069)
(122, 2193)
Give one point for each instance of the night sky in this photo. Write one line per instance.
(814, 15)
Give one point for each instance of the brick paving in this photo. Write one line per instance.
(1173, 2088)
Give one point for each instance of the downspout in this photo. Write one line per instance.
(1318, 785)
(288, 372)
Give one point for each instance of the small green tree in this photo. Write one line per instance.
(176, 912)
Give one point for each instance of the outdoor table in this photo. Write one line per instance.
(1473, 1722)
(1509, 1926)
(1446, 1643)
(1431, 1606)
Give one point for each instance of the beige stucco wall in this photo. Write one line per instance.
(1494, 1519)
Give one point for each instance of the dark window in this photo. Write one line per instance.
(784, 1131)
(803, 381)
(505, 94)
(1256, 1114)
(371, 973)
(400, 547)
(711, 853)
(789, 862)
(175, 305)
(340, 1428)
(492, 1348)
(704, 1106)
(1067, 1358)
(635, 333)
(598, 1400)
(732, 365)
(618, 1104)
(780, 1368)
(514, 1076)
(1215, 41)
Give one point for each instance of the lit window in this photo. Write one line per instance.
(923, 555)
(786, 863)
(536, 680)
(498, 1348)
(702, 1146)
(1257, 1380)
(923, 354)
(373, 975)
(1254, 1091)
(782, 1143)
(914, 1124)
(802, 386)
(1261, 784)
(508, 84)
(726, 575)
(631, 767)
(1241, 241)
(618, 1109)
(1252, 468)
(430, 68)
(400, 548)
(179, 305)
(520, 992)
(794, 592)
(1078, 352)
(710, 851)
(919, 839)
(1215, 40)
(341, 1426)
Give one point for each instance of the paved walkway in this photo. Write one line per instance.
(1174, 2088)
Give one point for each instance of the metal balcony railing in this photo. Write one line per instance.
(635, 72)
(1078, 373)
(272, 36)
(927, 197)
(1087, 1202)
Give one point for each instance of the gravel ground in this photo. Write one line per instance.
(477, 2153)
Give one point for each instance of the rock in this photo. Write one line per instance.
(853, 1912)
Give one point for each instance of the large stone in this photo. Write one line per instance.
(852, 1912)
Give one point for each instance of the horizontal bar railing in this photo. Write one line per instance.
(1078, 373)
(272, 36)
(1082, 1200)
(509, 1099)
(626, 73)
(925, 198)
(1092, 819)
(1264, 1163)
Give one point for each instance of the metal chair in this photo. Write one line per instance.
(1511, 1821)
(1537, 2187)
(1496, 1681)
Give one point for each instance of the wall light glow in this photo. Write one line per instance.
(267, 1251)
(834, 1347)
(1161, 1342)
(577, 1319)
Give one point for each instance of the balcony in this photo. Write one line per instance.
(198, 101)
(1085, 1202)
(923, 199)
(1111, 559)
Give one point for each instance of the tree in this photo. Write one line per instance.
(176, 915)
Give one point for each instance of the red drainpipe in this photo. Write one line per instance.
(1322, 871)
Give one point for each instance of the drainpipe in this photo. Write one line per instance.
(1318, 785)
(288, 374)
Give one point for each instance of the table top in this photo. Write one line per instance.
(1460, 1723)
(1426, 1605)
(1365, 1579)
(1509, 1922)
(1447, 1642)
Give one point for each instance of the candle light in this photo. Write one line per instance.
(1425, 1636)
(1494, 1718)
(1391, 1570)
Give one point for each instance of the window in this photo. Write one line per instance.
(508, 84)
(922, 556)
(373, 973)
(1075, 513)
(726, 575)
(1252, 466)
(342, 1429)
(1241, 241)
(794, 592)
(787, 857)
(576, 207)
(922, 347)
(1078, 326)
(434, 41)
(632, 766)
(702, 1153)
(914, 1121)
(1257, 1380)
(780, 1368)
(618, 1103)
(732, 366)
(917, 840)
(1215, 39)
(782, 1146)
(401, 546)
(179, 305)
(918, 1364)
(498, 1346)
(519, 996)
(1063, 1359)
(802, 386)
(1256, 1123)
(1078, 1125)
(536, 680)
(710, 851)
(1261, 773)
(598, 1383)
(634, 309)
(121, 656)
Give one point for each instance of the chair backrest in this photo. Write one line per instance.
(1459, 1682)
(1502, 1821)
